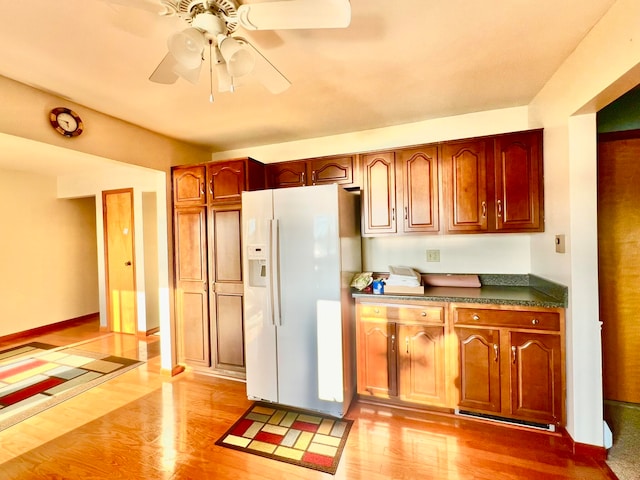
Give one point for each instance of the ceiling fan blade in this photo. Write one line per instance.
(293, 14)
(153, 6)
(165, 71)
(265, 72)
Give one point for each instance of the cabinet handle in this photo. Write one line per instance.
(495, 352)
(535, 321)
(484, 209)
(303, 180)
(393, 343)
(499, 208)
(406, 341)
(202, 189)
(211, 186)
(313, 177)
(393, 214)
(513, 354)
(406, 213)
(476, 317)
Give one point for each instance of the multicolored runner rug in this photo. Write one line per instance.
(294, 436)
(35, 376)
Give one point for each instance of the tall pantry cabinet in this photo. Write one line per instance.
(208, 246)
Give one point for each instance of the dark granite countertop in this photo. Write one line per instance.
(525, 290)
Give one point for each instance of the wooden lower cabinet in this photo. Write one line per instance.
(501, 361)
(400, 360)
(511, 363)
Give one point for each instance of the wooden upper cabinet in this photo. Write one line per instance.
(227, 180)
(465, 185)
(379, 193)
(189, 185)
(340, 169)
(518, 182)
(417, 179)
(287, 174)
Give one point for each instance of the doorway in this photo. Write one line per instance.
(120, 269)
(619, 275)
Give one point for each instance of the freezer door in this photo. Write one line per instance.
(259, 328)
(309, 282)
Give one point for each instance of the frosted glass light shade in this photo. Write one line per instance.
(187, 46)
(239, 59)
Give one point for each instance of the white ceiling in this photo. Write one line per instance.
(398, 62)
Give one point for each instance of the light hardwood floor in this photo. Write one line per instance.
(143, 425)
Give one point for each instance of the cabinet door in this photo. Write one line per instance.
(225, 247)
(518, 182)
(188, 186)
(465, 186)
(376, 348)
(286, 174)
(536, 377)
(479, 357)
(421, 364)
(379, 193)
(332, 170)
(417, 179)
(191, 286)
(226, 181)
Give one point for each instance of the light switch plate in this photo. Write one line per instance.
(433, 255)
(560, 246)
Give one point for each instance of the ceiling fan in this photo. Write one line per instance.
(211, 24)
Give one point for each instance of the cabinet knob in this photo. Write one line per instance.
(424, 314)
(376, 310)
(476, 316)
(535, 321)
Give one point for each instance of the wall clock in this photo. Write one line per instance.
(66, 122)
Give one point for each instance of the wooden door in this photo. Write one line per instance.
(333, 170)
(417, 182)
(421, 364)
(518, 182)
(226, 292)
(189, 185)
(120, 260)
(192, 305)
(286, 174)
(619, 263)
(376, 357)
(479, 357)
(379, 193)
(536, 377)
(465, 186)
(226, 181)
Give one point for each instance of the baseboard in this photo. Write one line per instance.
(147, 333)
(591, 451)
(52, 327)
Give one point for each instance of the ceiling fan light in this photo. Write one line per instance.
(238, 57)
(187, 46)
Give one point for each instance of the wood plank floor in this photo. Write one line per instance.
(142, 425)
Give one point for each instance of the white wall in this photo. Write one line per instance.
(604, 66)
(48, 254)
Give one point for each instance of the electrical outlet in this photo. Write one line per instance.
(433, 255)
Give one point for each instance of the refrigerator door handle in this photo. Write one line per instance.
(274, 253)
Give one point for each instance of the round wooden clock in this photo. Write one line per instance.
(66, 122)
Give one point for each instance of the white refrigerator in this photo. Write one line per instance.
(301, 248)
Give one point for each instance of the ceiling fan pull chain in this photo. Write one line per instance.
(210, 73)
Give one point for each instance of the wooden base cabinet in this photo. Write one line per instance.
(511, 363)
(400, 352)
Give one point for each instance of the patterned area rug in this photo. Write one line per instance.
(35, 376)
(294, 436)
(624, 421)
